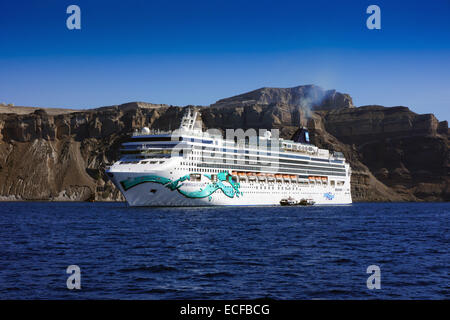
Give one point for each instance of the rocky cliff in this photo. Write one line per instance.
(395, 154)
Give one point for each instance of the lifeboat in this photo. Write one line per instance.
(261, 176)
(241, 174)
(293, 176)
(324, 179)
(311, 178)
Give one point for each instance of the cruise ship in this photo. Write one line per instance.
(192, 167)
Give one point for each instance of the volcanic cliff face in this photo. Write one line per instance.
(395, 154)
(405, 151)
(310, 97)
(46, 156)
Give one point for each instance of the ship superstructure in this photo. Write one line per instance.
(190, 167)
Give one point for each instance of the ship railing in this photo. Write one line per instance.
(177, 133)
(151, 132)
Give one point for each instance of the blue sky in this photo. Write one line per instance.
(196, 52)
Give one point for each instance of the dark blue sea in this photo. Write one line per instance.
(224, 253)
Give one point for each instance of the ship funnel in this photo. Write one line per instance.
(302, 136)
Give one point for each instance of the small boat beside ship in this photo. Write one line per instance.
(292, 202)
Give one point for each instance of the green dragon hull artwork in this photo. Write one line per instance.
(230, 190)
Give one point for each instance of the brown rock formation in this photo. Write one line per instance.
(405, 151)
(395, 154)
(309, 96)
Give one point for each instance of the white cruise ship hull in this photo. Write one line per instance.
(257, 193)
